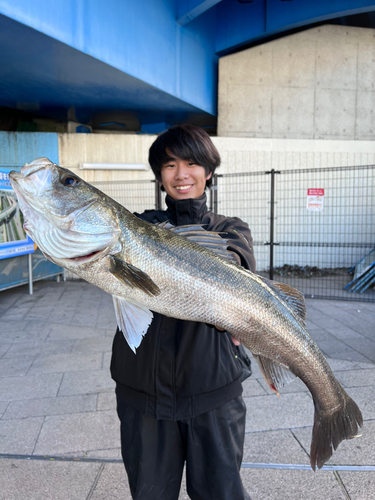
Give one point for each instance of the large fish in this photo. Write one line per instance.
(150, 268)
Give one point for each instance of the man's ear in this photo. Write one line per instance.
(209, 176)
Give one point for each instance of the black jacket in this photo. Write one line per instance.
(183, 368)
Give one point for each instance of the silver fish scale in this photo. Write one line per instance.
(199, 286)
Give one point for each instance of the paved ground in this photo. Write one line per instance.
(59, 433)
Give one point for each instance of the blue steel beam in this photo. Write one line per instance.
(240, 24)
(188, 11)
(140, 39)
(122, 55)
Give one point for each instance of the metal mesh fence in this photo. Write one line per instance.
(315, 244)
(136, 196)
(318, 240)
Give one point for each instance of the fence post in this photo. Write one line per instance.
(271, 243)
(213, 191)
(157, 196)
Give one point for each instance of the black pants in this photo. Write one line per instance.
(154, 453)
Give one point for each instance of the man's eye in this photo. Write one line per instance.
(69, 181)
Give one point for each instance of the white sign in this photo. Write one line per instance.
(315, 199)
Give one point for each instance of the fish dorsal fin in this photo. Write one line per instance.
(294, 298)
(274, 374)
(208, 239)
(133, 277)
(133, 320)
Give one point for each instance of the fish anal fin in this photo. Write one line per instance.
(274, 374)
(133, 320)
(293, 297)
(133, 277)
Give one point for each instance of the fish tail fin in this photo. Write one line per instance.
(330, 430)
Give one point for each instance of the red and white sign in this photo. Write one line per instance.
(315, 199)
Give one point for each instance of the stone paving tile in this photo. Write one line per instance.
(364, 397)
(350, 452)
(81, 431)
(328, 323)
(19, 436)
(86, 383)
(62, 314)
(17, 331)
(15, 312)
(4, 348)
(41, 313)
(356, 378)
(360, 485)
(30, 387)
(347, 311)
(71, 362)
(92, 345)
(39, 348)
(363, 346)
(319, 334)
(106, 401)
(43, 480)
(113, 484)
(106, 360)
(273, 484)
(342, 364)
(338, 349)
(3, 407)
(112, 453)
(60, 332)
(252, 387)
(275, 447)
(107, 320)
(271, 413)
(365, 366)
(50, 406)
(88, 318)
(16, 366)
(9, 327)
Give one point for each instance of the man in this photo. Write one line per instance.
(179, 397)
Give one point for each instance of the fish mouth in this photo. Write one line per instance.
(84, 259)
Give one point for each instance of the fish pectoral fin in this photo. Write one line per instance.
(294, 298)
(208, 239)
(274, 374)
(133, 277)
(133, 320)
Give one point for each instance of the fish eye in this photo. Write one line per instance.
(69, 181)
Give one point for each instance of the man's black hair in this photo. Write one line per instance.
(187, 142)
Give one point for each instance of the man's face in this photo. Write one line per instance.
(183, 179)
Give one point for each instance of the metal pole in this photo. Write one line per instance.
(30, 273)
(272, 219)
(214, 194)
(157, 196)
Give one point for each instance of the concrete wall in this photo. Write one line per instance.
(316, 84)
(237, 154)
(347, 216)
(105, 148)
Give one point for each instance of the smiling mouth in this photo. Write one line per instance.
(183, 188)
